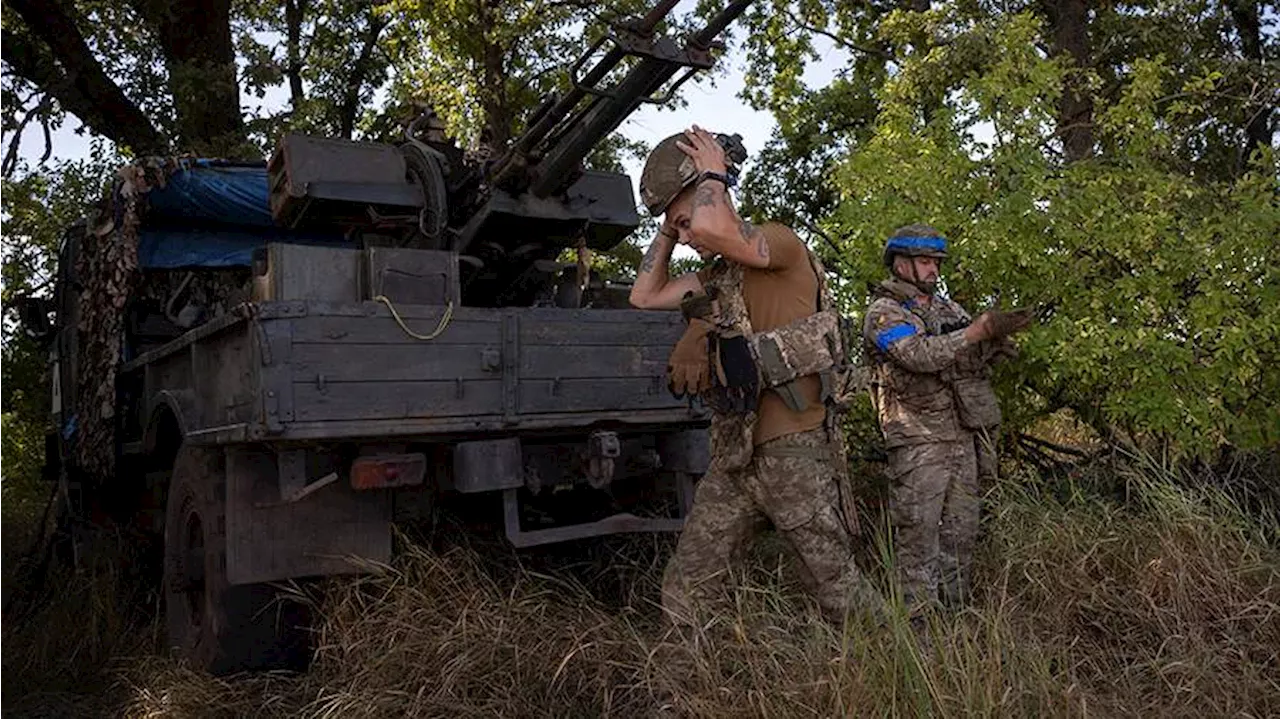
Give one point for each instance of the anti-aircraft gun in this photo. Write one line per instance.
(260, 367)
(507, 217)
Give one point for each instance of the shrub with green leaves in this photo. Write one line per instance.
(1158, 289)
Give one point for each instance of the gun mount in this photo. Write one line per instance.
(509, 217)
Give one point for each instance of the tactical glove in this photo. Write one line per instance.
(695, 306)
(689, 367)
(736, 380)
(999, 323)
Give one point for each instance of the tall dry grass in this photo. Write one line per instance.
(1151, 600)
(66, 631)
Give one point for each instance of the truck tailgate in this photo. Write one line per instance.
(334, 365)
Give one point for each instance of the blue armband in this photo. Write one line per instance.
(886, 337)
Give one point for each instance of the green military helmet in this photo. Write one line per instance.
(668, 171)
(916, 240)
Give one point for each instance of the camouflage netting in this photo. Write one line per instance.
(107, 270)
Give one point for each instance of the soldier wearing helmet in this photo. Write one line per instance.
(930, 368)
(759, 350)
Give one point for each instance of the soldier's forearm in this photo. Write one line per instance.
(926, 355)
(655, 270)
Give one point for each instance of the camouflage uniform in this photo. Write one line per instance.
(977, 408)
(797, 481)
(808, 501)
(918, 352)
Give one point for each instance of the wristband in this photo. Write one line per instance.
(728, 180)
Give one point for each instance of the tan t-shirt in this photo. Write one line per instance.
(785, 291)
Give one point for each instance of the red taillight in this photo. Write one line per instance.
(388, 470)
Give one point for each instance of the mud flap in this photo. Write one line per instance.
(332, 530)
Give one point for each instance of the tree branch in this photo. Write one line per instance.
(1045, 444)
(40, 110)
(294, 13)
(846, 44)
(351, 98)
(67, 69)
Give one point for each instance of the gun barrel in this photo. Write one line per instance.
(608, 112)
(561, 109)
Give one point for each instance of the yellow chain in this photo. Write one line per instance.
(444, 320)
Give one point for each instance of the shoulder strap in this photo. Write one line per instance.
(824, 300)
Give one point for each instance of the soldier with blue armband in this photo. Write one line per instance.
(930, 384)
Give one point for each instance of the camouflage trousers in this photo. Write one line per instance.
(935, 505)
(809, 503)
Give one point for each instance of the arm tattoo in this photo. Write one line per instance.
(650, 258)
(752, 234)
(704, 196)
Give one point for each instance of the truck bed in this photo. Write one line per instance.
(306, 370)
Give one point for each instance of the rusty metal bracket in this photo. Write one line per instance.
(292, 466)
(615, 524)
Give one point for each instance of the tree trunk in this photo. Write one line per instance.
(1258, 131)
(294, 12)
(498, 115)
(359, 73)
(196, 38)
(1069, 25)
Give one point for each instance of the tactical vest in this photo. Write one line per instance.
(810, 345)
(968, 379)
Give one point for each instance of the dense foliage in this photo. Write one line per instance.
(1148, 246)
(1111, 163)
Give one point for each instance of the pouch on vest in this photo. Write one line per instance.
(976, 403)
(809, 345)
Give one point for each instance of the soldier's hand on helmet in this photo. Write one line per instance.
(689, 367)
(995, 324)
(707, 154)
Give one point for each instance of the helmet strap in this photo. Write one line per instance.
(914, 279)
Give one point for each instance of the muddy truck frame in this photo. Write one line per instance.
(262, 368)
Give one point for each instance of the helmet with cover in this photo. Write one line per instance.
(668, 170)
(916, 240)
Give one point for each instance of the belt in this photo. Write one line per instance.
(820, 453)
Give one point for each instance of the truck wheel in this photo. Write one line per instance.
(216, 626)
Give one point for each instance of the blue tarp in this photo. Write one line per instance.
(212, 214)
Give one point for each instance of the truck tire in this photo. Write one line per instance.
(212, 624)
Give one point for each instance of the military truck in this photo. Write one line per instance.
(263, 366)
